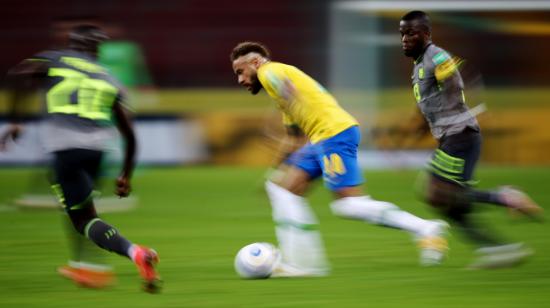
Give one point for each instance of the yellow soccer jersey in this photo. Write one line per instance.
(304, 102)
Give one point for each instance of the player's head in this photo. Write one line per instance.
(86, 38)
(416, 31)
(246, 58)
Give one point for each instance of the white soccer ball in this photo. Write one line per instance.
(256, 260)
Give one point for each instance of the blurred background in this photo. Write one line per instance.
(173, 55)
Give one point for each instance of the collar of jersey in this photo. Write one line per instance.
(422, 54)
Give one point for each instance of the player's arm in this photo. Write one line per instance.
(293, 140)
(412, 130)
(419, 125)
(447, 75)
(21, 82)
(126, 129)
(277, 82)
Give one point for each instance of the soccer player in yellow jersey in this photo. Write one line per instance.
(331, 152)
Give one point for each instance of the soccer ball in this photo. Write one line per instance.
(256, 261)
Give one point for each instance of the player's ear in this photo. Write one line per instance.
(428, 35)
(255, 61)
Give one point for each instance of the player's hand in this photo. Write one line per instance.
(122, 186)
(12, 133)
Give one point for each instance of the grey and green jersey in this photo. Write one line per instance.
(79, 96)
(439, 92)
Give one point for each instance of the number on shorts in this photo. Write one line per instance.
(333, 165)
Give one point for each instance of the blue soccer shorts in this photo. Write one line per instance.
(334, 158)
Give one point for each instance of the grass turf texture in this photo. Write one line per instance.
(197, 218)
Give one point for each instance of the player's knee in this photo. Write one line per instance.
(293, 179)
(440, 193)
(451, 200)
(274, 190)
(362, 208)
(80, 219)
(79, 223)
(434, 199)
(289, 206)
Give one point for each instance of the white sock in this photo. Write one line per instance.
(297, 230)
(132, 252)
(382, 213)
(90, 266)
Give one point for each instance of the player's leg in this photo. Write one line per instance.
(449, 191)
(467, 145)
(75, 186)
(343, 176)
(450, 200)
(514, 199)
(297, 227)
(87, 265)
(492, 251)
(451, 171)
(74, 172)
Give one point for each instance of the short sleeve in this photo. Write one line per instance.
(445, 65)
(273, 80)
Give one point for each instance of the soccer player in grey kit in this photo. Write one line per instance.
(84, 104)
(439, 91)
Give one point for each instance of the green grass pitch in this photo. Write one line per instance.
(198, 217)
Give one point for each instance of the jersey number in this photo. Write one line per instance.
(94, 97)
(333, 165)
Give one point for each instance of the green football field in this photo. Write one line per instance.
(197, 218)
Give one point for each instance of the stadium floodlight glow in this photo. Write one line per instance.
(370, 6)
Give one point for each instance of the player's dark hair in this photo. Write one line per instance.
(421, 17)
(86, 38)
(245, 48)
